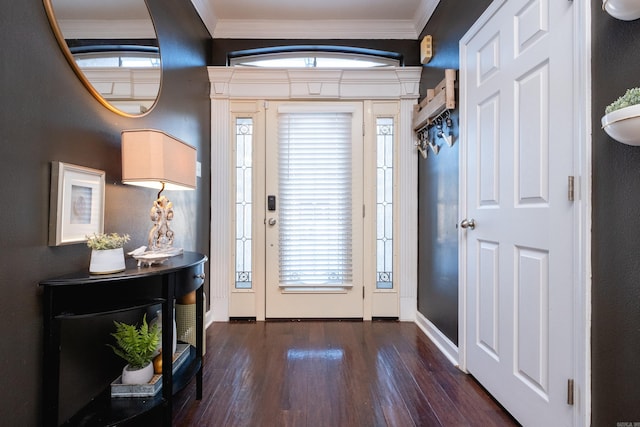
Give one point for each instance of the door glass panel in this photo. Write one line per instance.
(384, 202)
(315, 206)
(244, 172)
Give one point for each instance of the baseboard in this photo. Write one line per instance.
(208, 319)
(444, 344)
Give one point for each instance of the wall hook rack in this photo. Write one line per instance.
(434, 111)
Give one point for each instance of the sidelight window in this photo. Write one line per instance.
(384, 202)
(244, 175)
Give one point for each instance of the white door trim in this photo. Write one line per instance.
(582, 221)
(583, 161)
(392, 83)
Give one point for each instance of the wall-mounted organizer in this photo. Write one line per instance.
(432, 116)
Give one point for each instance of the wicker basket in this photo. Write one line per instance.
(186, 325)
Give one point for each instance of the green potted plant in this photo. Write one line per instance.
(622, 118)
(137, 346)
(107, 253)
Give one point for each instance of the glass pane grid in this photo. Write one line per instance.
(244, 176)
(384, 203)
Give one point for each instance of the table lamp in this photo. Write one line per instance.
(155, 159)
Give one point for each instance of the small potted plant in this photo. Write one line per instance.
(107, 253)
(137, 346)
(622, 118)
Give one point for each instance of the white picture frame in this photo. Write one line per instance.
(77, 203)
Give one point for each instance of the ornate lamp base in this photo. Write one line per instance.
(161, 235)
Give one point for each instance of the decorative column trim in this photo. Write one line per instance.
(221, 256)
(408, 239)
(315, 83)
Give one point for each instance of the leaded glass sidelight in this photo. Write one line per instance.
(384, 203)
(244, 172)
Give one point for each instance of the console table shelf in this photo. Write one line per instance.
(107, 411)
(88, 312)
(82, 295)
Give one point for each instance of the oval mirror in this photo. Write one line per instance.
(113, 48)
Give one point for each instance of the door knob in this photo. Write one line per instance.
(272, 221)
(468, 223)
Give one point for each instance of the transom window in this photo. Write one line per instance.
(314, 57)
(117, 59)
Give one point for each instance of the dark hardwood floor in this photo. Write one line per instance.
(331, 374)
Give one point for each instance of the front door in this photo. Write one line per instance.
(517, 74)
(314, 210)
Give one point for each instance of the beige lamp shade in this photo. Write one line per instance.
(152, 157)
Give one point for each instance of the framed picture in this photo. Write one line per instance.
(77, 203)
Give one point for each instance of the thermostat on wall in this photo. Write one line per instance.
(426, 49)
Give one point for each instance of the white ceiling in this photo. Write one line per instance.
(316, 19)
(278, 19)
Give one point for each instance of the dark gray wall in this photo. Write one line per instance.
(438, 178)
(616, 241)
(46, 114)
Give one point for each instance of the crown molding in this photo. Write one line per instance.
(423, 14)
(315, 29)
(204, 8)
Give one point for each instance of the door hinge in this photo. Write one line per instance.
(266, 105)
(571, 189)
(570, 391)
(363, 292)
(363, 211)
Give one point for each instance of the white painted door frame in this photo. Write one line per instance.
(389, 83)
(582, 220)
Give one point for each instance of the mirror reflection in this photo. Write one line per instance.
(113, 48)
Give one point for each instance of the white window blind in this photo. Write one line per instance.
(315, 212)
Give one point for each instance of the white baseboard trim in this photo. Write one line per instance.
(218, 310)
(208, 319)
(444, 344)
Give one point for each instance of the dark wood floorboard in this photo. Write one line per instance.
(333, 374)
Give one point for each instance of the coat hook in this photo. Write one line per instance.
(435, 147)
(448, 136)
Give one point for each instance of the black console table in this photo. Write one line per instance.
(81, 295)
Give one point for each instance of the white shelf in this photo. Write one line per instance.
(623, 125)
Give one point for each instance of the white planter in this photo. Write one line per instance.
(107, 261)
(626, 10)
(137, 376)
(623, 125)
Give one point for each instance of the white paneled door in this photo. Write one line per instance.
(518, 255)
(314, 210)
